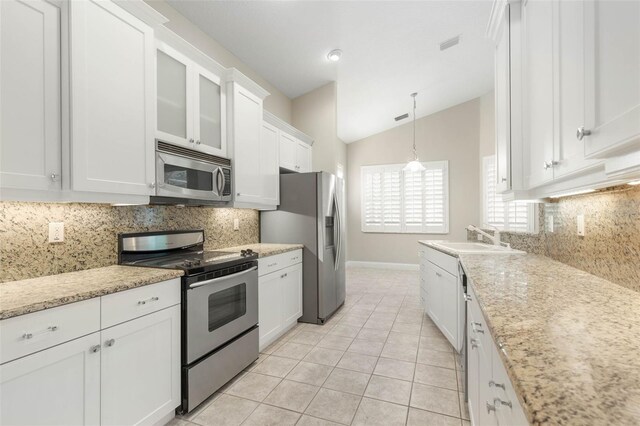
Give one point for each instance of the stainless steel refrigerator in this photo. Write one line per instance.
(312, 213)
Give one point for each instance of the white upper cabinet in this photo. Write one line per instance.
(245, 138)
(538, 105)
(112, 100)
(503, 103)
(30, 105)
(612, 82)
(190, 102)
(295, 155)
(269, 170)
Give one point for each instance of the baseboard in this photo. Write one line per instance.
(383, 265)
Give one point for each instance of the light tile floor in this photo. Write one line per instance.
(378, 361)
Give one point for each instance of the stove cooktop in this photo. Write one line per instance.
(197, 261)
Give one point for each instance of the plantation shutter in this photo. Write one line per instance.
(518, 216)
(394, 200)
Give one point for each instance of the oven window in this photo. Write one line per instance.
(184, 177)
(227, 305)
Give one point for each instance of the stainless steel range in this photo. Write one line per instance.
(219, 305)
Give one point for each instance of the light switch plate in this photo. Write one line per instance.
(236, 224)
(56, 232)
(580, 223)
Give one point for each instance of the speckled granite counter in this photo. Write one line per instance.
(571, 340)
(35, 294)
(264, 249)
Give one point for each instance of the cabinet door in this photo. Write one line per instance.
(57, 386)
(269, 167)
(486, 403)
(569, 63)
(112, 96)
(612, 86)
(473, 378)
(174, 97)
(270, 305)
(247, 129)
(503, 105)
(538, 105)
(30, 122)
(209, 106)
(447, 305)
(303, 157)
(288, 146)
(141, 369)
(432, 292)
(292, 294)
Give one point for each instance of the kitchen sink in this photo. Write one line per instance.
(475, 248)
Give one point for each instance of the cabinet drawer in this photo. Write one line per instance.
(26, 334)
(444, 261)
(130, 304)
(269, 264)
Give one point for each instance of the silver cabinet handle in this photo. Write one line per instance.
(498, 402)
(467, 298)
(94, 349)
(54, 177)
(490, 408)
(152, 299)
(582, 132)
(191, 140)
(550, 164)
(51, 329)
(503, 180)
(110, 342)
(283, 275)
(438, 274)
(497, 385)
(474, 343)
(152, 185)
(198, 142)
(476, 330)
(272, 264)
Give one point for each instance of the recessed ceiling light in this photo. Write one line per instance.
(334, 55)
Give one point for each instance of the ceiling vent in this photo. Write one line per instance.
(401, 117)
(450, 43)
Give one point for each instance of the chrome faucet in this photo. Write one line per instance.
(495, 238)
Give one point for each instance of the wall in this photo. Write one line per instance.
(277, 103)
(91, 232)
(316, 114)
(452, 134)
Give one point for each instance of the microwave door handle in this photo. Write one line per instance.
(224, 182)
(226, 277)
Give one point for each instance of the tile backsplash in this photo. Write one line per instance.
(91, 230)
(610, 247)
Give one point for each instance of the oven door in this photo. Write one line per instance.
(188, 178)
(219, 310)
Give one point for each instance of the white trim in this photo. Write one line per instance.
(236, 76)
(286, 127)
(383, 265)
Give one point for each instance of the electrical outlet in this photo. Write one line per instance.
(550, 223)
(580, 223)
(236, 224)
(56, 232)
(479, 237)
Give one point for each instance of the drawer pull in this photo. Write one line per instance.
(498, 402)
(51, 328)
(144, 302)
(272, 264)
(110, 342)
(94, 349)
(497, 385)
(490, 408)
(474, 343)
(467, 298)
(284, 275)
(438, 274)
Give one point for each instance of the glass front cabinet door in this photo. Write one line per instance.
(190, 103)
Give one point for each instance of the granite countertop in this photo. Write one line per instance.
(264, 249)
(430, 243)
(35, 294)
(570, 340)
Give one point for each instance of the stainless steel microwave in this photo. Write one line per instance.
(186, 176)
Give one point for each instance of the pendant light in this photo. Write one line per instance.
(415, 165)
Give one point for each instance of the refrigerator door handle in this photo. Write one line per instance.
(338, 227)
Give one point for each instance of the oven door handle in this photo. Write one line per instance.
(226, 277)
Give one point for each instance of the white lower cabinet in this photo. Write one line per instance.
(140, 380)
(492, 398)
(442, 291)
(57, 386)
(279, 295)
(128, 374)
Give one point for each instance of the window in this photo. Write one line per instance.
(406, 202)
(510, 216)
